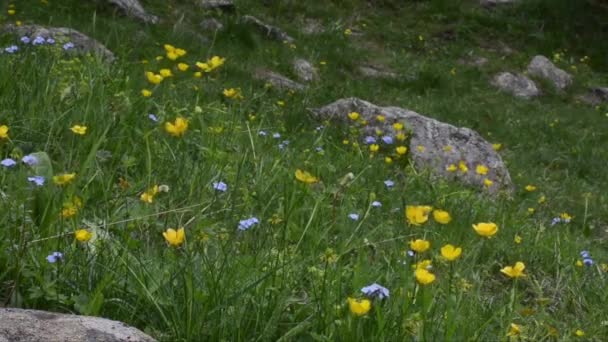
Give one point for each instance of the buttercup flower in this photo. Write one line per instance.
(3, 132)
(486, 229)
(530, 188)
(233, 93)
(182, 66)
(451, 168)
(79, 129)
(450, 252)
(423, 276)
(178, 127)
(354, 116)
(401, 150)
(420, 246)
(481, 169)
(417, 214)
(83, 235)
(305, 177)
(441, 216)
(515, 271)
(514, 330)
(153, 78)
(64, 178)
(359, 307)
(175, 237)
(148, 196)
(165, 73)
(146, 93)
(375, 290)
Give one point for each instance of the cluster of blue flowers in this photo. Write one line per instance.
(29, 160)
(248, 223)
(587, 261)
(37, 41)
(387, 139)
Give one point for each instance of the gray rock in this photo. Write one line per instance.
(474, 61)
(312, 26)
(466, 145)
(541, 66)
(211, 24)
(43, 326)
(374, 71)
(492, 3)
(518, 85)
(269, 31)
(134, 9)
(596, 96)
(277, 80)
(82, 43)
(305, 71)
(224, 5)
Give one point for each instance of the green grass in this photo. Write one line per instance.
(289, 277)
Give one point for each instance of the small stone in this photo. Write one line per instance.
(269, 31)
(224, 5)
(541, 66)
(596, 96)
(211, 24)
(277, 80)
(134, 9)
(312, 26)
(374, 71)
(305, 71)
(518, 85)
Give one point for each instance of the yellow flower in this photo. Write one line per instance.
(305, 177)
(83, 235)
(401, 150)
(148, 196)
(374, 147)
(463, 167)
(420, 246)
(178, 127)
(169, 48)
(424, 264)
(146, 93)
(198, 74)
(70, 208)
(64, 178)
(488, 183)
(380, 118)
(173, 237)
(388, 160)
(542, 199)
(397, 126)
(359, 307)
(441, 216)
(451, 168)
(153, 78)
(172, 55)
(417, 214)
(183, 66)
(180, 52)
(233, 93)
(450, 252)
(11, 12)
(420, 148)
(216, 62)
(481, 169)
(281, 103)
(517, 239)
(530, 188)
(515, 271)
(447, 148)
(353, 116)
(3, 132)
(531, 210)
(78, 129)
(496, 147)
(579, 263)
(486, 229)
(165, 73)
(424, 277)
(514, 330)
(400, 136)
(348, 32)
(579, 333)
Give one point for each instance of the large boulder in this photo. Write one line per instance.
(433, 145)
(133, 8)
(82, 43)
(542, 67)
(43, 326)
(267, 30)
(517, 85)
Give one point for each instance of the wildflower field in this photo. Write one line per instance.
(171, 190)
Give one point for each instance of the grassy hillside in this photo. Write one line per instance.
(317, 240)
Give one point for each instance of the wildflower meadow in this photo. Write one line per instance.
(173, 189)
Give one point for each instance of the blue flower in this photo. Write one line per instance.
(319, 149)
(50, 41)
(38, 41)
(585, 254)
(387, 139)
(54, 257)
(153, 117)
(8, 162)
(389, 183)
(262, 133)
(68, 46)
(283, 144)
(369, 140)
(353, 216)
(220, 186)
(248, 223)
(30, 160)
(588, 261)
(11, 49)
(376, 204)
(38, 180)
(375, 290)
(25, 40)
(276, 135)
